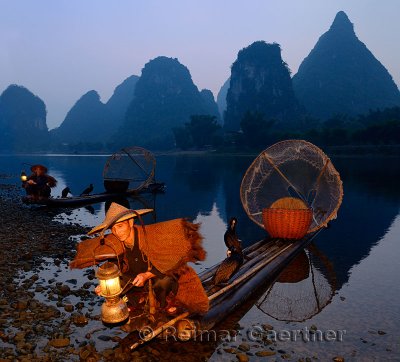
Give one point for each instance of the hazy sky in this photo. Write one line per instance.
(60, 49)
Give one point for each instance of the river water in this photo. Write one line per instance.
(339, 298)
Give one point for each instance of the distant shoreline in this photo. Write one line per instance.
(337, 151)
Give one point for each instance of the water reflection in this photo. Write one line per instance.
(304, 288)
(197, 184)
(213, 229)
(367, 211)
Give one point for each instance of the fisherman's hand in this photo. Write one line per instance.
(31, 182)
(97, 290)
(142, 278)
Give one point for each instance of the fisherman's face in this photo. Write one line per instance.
(122, 230)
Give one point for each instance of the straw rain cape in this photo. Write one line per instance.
(169, 245)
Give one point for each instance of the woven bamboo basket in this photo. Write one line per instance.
(287, 218)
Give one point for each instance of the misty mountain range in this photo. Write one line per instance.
(339, 76)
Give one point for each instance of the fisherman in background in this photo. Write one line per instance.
(39, 183)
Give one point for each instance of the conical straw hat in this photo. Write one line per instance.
(35, 168)
(112, 214)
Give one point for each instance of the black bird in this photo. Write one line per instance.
(235, 255)
(90, 208)
(87, 191)
(231, 240)
(65, 192)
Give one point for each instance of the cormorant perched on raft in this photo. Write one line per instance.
(87, 191)
(65, 192)
(235, 255)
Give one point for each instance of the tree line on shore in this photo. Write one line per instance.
(376, 128)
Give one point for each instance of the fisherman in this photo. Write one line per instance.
(166, 246)
(38, 185)
(136, 266)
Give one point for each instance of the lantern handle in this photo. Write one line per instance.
(102, 243)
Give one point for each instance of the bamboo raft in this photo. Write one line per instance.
(263, 262)
(76, 201)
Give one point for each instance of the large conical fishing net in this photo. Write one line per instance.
(292, 169)
(304, 288)
(130, 168)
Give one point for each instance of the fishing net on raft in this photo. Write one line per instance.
(130, 168)
(302, 290)
(292, 170)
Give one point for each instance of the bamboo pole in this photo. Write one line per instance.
(255, 246)
(247, 252)
(248, 267)
(261, 249)
(261, 253)
(248, 274)
(265, 254)
(155, 333)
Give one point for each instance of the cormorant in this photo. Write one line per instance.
(65, 192)
(235, 255)
(87, 191)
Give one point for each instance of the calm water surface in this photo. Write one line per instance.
(346, 285)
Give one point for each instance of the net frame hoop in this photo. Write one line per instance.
(281, 145)
(149, 177)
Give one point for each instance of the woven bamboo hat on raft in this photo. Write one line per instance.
(112, 216)
(42, 168)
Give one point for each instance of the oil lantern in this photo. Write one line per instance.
(114, 310)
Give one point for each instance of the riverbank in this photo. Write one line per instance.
(28, 237)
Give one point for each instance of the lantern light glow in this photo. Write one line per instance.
(108, 274)
(110, 287)
(24, 177)
(114, 310)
